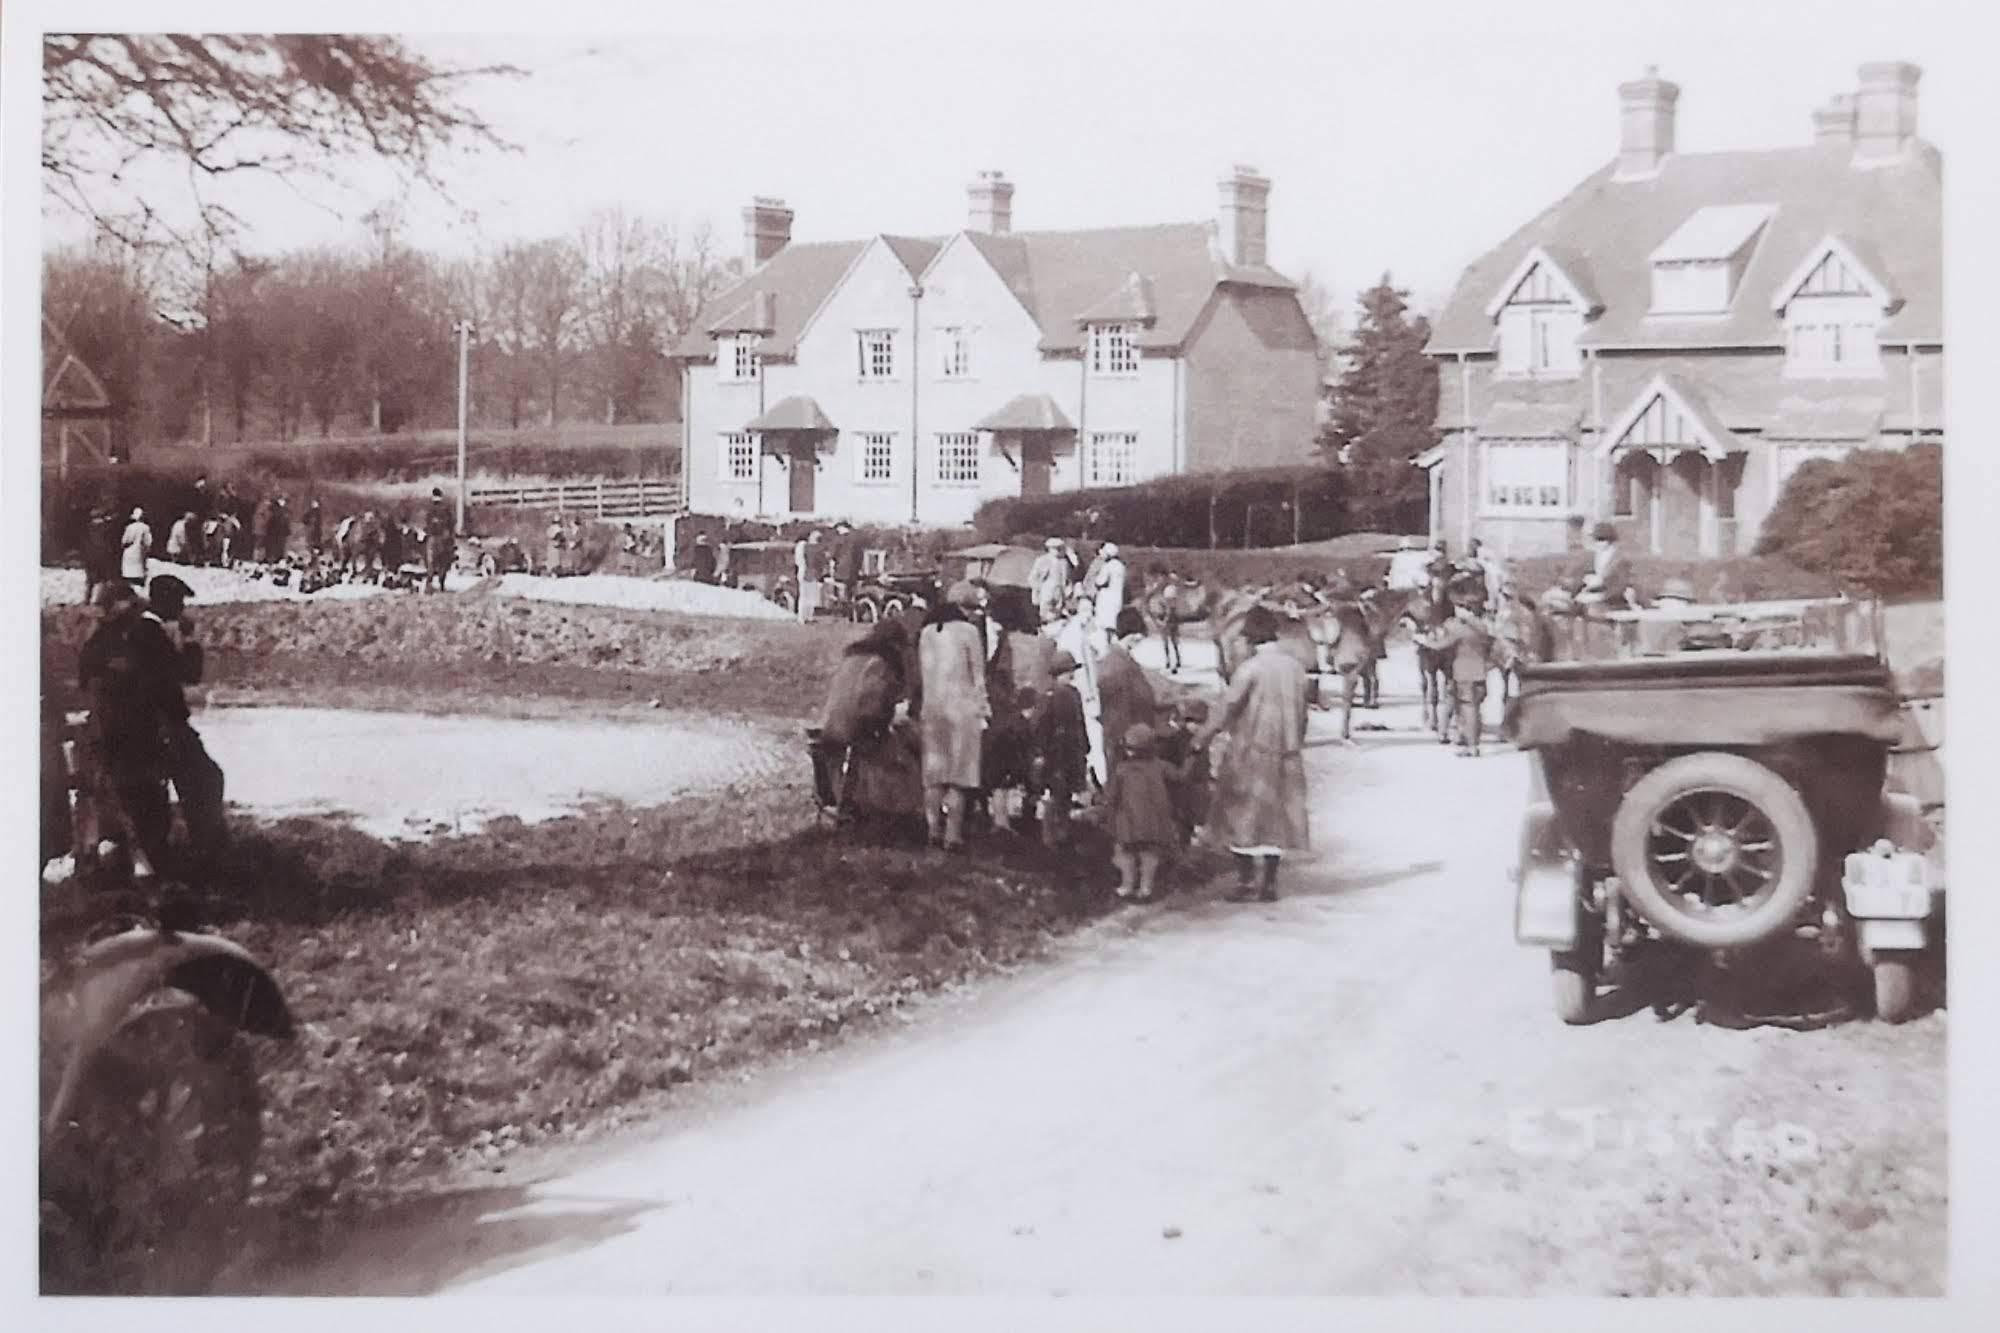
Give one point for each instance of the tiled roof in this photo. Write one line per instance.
(799, 277)
(1714, 231)
(1056, 275)
(1506, 420)
(1892, 213)
(1030, 411)
(795, 413)
(1130, 302)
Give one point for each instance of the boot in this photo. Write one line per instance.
(1267, 879)
(934, 815)
(954, 819)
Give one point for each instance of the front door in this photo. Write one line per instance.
(1037, 462)
(804, 472)
(1682, 485)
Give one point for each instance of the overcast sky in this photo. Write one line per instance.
(1397, 141)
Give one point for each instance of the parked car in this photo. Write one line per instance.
(1716, 779)
(769, 569)
(151, 1117)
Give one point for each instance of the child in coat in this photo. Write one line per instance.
(1140, 811)
(1187, 766)
(1062, 751)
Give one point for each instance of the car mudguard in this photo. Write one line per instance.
(112, 976)
(1546, 892)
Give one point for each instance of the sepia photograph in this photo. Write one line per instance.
(1070, 660)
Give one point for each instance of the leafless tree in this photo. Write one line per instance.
(118, 108)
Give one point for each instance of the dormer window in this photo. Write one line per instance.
(741, 359)
(1540, 311)
(1114, 349)
(1832, 305)
(1697, 269)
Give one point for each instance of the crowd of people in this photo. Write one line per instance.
(211, 531)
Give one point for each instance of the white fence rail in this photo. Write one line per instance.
(597, 499)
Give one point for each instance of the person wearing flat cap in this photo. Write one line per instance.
(1258, 807)
(951, 658)
(1062, 749)
(1609, 582)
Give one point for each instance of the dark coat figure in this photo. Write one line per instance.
(277, 531)
(392, 545)
(1062, 750)
(847, 561)
(260, 530)
(440, 540)
(100, 552)
(1141, 810)
(701, 560)
(315, 527)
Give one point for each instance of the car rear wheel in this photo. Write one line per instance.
(1715, 850)
(893, 607)
(867, 610)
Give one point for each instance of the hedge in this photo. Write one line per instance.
(1872, 520)
(1244, 509)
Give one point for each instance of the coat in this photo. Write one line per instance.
(1110, 592)
(1259, 795)
(1049, 578)
(1124, 697)
(1141, 803)
(135, 546)
(952, 660)
(1062, 742)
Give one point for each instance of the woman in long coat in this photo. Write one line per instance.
(951, 657)
(1259, 806)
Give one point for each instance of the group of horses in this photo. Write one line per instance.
(1346, 633)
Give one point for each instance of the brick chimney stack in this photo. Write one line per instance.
(1885, 110)
(1645, 124)
(1833, 124)
(767, 229)
(990, 204)
(1245, 204)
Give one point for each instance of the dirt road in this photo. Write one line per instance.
(1360, 1090)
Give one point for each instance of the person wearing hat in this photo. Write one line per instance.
(1062, 750)
(135, 549)
(1049, 579)
(846, 562)
(1107, 584)
(701, 559)
(124, 778)
(1258, 811)
(1467, 646)
(440, 540)
(172, 659)
(1609, 582)
(1139, 809)
(951, 659)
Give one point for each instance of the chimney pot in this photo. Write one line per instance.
(1645, 124)
(1885, 110)
(990, 204)
(1834, 123)
(767, 229)
(1246, 197)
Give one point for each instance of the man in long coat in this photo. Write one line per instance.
(1259, 806)
(951, 656)
(1049, 579)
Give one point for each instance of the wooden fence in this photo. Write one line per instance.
(598, 499)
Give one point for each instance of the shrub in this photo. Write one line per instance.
(1873, 520)
(1247, 508)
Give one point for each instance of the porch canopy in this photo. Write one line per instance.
(797, 413)
(1671, 417)
(1029, 412)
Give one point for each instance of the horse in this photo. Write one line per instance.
(1426, 611)
(875, 672)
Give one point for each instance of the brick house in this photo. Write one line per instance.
(904, 379)
(1665, 344)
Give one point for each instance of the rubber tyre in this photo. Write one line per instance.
(1895, 989)
(1753, 782)
(1574, 986)
(145, 1194)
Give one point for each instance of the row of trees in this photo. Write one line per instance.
(361, 337)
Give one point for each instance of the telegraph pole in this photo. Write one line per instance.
(464, 331)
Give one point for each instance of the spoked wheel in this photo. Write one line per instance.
(143, 1190)
(867, 610)
(893, 607)
(1715, 850)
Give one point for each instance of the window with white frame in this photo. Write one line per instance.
(1832, 335)
(1113, 460)
(1114, 349)
(739, 456)
(1527, 476)
(1538, 329)
(955, 352)
(878, 458)
(876, 349)
(741, 360)
(957, 459)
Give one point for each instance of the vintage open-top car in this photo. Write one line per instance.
(769, 568)
(1716, 779)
